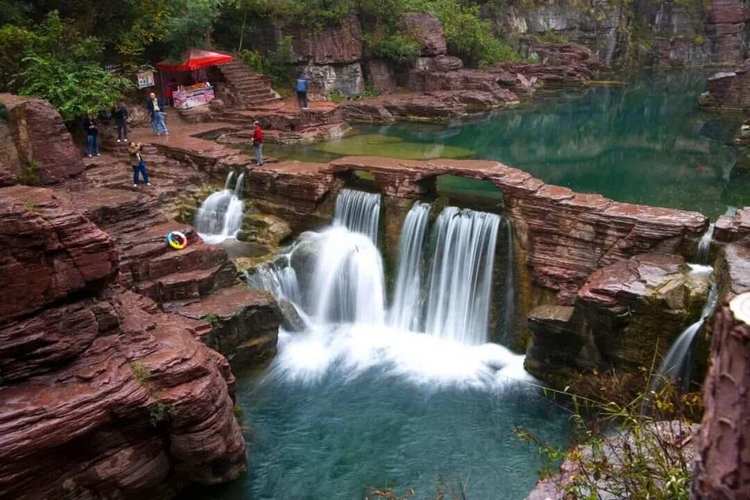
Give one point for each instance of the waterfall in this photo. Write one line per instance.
(461, 275)
(704, 245)
(509, 300)
(279, 279)
(349, 285)
(359, 212)
(239, 186)
(220, 215)
(405, 311)
(228, 182)
(677, 363)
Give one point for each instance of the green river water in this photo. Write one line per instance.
(646, 142)
(341, 411)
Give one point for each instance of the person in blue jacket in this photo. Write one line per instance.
(301, 87)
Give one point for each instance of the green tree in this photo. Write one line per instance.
(74, 89)
(191, 24)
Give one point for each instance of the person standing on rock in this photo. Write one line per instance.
(139, 166)
(92, 136)
(258, 143)
(301, 87)
(155, 107)
(121, 120)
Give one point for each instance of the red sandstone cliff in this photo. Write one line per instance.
(103, 394)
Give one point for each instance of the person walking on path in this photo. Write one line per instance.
(92, 136)
(139, 166)
(301, 88)
(121, 120)
(258, 143)
(155, 106)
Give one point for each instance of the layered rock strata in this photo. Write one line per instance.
(104, 393)
(35, 146)
(626, 315)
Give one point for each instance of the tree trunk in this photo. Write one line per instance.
(723, 467)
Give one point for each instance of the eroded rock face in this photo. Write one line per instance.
(103, 394)
(427, 30)
(347, 79)
(633, 307)
(595, 24)
(47, 252)
(38, 148)
(381, 76)
(624, 315)
(244, 323)
(722, 470)
(728, 90)
(334, 45)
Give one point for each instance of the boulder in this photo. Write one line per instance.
(36, 146)
(427, 30)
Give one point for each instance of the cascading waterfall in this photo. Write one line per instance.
(349, 285)
(677, 363)
(359, 212)
(458, 305)
(407, 296)
(220, 215)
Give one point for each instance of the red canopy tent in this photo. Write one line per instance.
(193, 60)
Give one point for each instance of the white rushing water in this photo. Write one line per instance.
(349, 280)
(704, 245)
(359, 212)
(458, 304)
(220, 215)
(337, 281)
(509, 300)
(407, 303)
(677, 363)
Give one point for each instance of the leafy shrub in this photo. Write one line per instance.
(29, 174)
(646, 453)
(74, 89)
(158, 412)
(278, 65)
(140, 372)
(468, 35)
(397, 48)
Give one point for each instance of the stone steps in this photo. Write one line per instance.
(251, 88)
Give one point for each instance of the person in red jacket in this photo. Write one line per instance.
(258, 143)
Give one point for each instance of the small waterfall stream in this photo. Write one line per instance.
(406, 305)
(676, 365)
(704, 245)
(359, 212)
(458, 305)
(220, 215)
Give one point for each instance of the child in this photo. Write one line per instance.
(139, 166)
